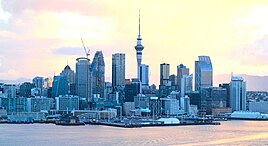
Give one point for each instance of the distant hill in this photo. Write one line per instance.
(17, 81)
(254, 83)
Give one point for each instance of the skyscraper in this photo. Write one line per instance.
(237, 93)
(83, 72)
(39, 82)
(164, 74)
(118, 70)
(203, 73)
(144, 75)
(59, 86)
(139, 49)
(70, 75)
(181, 71)
(98, 72)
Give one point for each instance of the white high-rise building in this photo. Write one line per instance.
(186, 84)
(238, 94)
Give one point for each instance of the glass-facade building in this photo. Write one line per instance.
(83, 72)
(118, 70)
(59, 86)
(203, 73)
(98, 74)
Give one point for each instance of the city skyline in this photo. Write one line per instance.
(220, 30)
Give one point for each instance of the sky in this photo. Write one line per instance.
(40, 37)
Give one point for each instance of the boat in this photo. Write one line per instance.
(69, 120)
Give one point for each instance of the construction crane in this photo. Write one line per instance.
(87, 56)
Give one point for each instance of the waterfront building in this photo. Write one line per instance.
(83, 78)
(155, 106)
(127, 107)
(141, 101)
(39, 82)
(98, 74)
(70, 75)
(237, 93)
(59, 86)
(186, 85)
(67, 103)
(185, 104)
(139, 47)
(118, 70)
(25, 89)
(39, 103)
(181, 71)
(258, 106)
(203, 73)
(14, 104)
(170, 106)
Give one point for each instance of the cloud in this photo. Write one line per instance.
(68, 51)
(87, 7)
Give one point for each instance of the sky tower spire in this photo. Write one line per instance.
(139, 49)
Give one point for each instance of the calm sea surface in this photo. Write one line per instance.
(228, 133)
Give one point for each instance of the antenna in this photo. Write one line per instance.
(139, 23)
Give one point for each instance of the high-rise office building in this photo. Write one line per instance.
(164, 74)
(39, 82)
(83, 78)
(203, 73)
(98, 74)
(181, 71)
(139, 49)
(59, 86)
(238, 93)
(144, 75)
(118, 70)
(70, 75)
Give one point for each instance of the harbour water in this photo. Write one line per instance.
(228, 133)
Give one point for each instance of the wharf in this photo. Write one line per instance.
(123, 125)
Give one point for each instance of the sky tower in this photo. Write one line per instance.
(139, 49)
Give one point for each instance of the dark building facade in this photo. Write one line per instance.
(59, 86)
(25, 89)
(213, 97)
